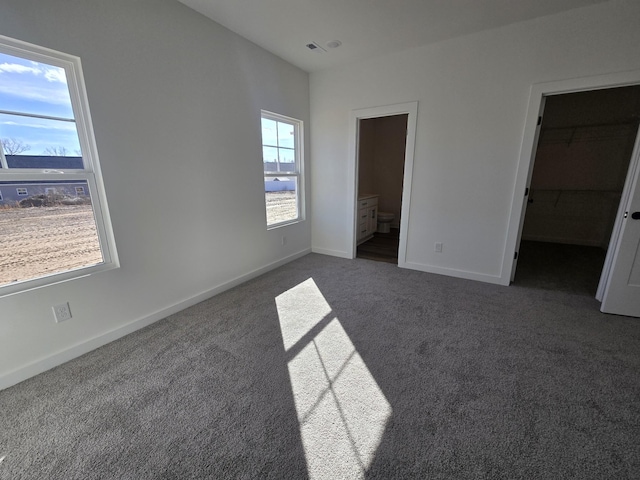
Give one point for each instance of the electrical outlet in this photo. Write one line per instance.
(438, 247)
(61, 312)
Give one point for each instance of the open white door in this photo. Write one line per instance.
(525, 201)
(622, 291)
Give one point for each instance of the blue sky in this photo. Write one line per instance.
(39, 89)
(278, 134)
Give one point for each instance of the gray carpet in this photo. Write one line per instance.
(331, 368)
(555, 266)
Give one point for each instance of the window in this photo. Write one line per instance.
(48, 157)
(282, 160)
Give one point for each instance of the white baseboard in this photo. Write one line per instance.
(332, 253)
(34, 368)
(479, 277)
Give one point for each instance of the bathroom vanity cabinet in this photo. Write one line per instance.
(367, 214)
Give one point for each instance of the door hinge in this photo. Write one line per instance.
(526, 191)
(515, 256)
(539, 120)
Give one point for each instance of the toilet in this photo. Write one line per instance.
(384, 222)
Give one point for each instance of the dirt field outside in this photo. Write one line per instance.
(44, 240)
(40, 241)
(281, 206)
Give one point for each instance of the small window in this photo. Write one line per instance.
(1, 196)
(281, 158)
(47, 152)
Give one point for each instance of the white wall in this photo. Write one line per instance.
(175, 100)
(473, 96)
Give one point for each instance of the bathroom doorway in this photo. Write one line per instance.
(381, 157)
(409, 113)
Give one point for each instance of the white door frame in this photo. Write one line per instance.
(614, 244)
(525, 164)
(410, 109)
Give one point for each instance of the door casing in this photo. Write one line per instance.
(529, 146)
(410, 109)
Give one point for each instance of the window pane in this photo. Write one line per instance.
(32, 87)
(50, 230)
(287, 160)
(38, 137)
(270, 159)
(286, 135)
(269, 132)
(281, 169)
(281, 198)
(48, 223)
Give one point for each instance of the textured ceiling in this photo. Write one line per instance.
(365, 27)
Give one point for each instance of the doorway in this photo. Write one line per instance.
(381, 156)
(409, 113)
(584, 149)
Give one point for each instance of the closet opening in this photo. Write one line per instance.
(582, 159)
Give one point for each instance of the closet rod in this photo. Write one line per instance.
(595, 125)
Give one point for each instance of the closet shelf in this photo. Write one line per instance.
(587, 133)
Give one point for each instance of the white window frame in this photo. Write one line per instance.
(22, 191)
(299, 162)
(90, 173)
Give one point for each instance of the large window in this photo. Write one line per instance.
(53, 219)
(281, 157)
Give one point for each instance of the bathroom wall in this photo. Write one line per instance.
(366, 170)
(381, 161)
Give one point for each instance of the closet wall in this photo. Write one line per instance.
(581, 165)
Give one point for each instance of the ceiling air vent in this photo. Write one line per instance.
(314, 47)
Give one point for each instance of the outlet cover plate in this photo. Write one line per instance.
(61, 312)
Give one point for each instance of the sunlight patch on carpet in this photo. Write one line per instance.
(341, 410)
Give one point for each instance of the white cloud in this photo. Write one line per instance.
(16, 68)
(65, 126)
(58, 96)
(50, 73)
(55, 75)
(42, 91)
(33, 82)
